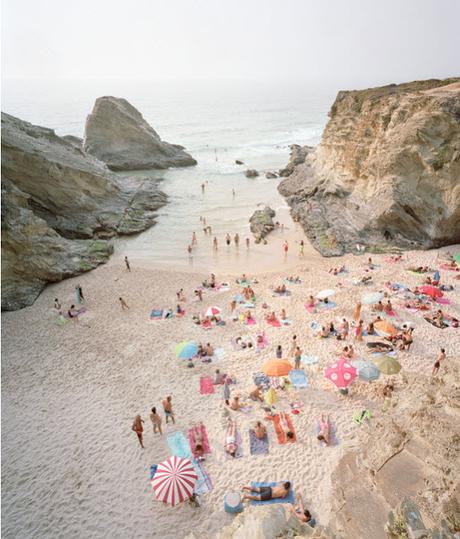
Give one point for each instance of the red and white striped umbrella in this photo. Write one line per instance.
(174, 480)
(212, 311)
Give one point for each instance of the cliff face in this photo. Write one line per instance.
(386, 173)
(117, 134)
(58, 208)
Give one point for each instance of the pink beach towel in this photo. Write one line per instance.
(309, 308)
(206, 325)
(251, 322)
(390, 313)
(447, 267)
(198, 434)
(206, 385)
(443, 301)
(275, 324)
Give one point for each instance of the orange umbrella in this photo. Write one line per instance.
(385, 327)
(277, 367)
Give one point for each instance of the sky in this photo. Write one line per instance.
(349, 43)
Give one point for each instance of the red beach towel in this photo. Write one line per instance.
(206, 385)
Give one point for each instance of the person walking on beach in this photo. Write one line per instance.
(202, 187)
(247, 243)
(167, 407)
(301, 249)
(138, 429)
(439, 360)
(285, 249)
(79, 292)
(128, 267)
(189, 250)
(57, 305)
(123, 304)
(297, 358)
(228, 240)
(214, 243)
(156, 421)
(194, 241)
(236, 239)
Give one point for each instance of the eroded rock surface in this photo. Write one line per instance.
(117, 134)
(386, 173)
(261, 223)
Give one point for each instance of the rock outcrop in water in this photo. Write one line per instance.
(117, 134)
(386, 173)
(251, 173)
(59, 206)
(261, 223)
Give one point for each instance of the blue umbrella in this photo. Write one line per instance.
(186, 350)
(366, 371)
(239, 298)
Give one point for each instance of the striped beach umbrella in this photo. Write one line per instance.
(341, 373)
(212, 311)
(174, 480)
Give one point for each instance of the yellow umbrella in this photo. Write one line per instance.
(271, 397)
(277, 367)
(385, 327)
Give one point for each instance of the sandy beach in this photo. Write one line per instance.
(72, 467)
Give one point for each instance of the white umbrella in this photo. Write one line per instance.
(373, 297)
(325, 293)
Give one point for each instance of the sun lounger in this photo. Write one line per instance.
(258, 447)
(288, 499)
(179, 445)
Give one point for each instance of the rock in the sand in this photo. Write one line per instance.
(238, 162)
(117, 134)
(386, 173)
(271, 175)
(59, 207)
(251, 173)
(261, 223)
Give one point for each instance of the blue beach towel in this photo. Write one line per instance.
(179, 445)
(298, 378)
(258, 447)
(309, 360)
(328, 305)
(289, 499)
(332, 435)
(153, 470)
(203, 484)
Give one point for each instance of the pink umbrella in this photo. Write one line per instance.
(212, 311)
(342, 373)
(174, 480)
(431, 291)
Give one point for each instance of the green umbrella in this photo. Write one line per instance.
(388, 365)
(457, 257)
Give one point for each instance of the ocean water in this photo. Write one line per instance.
(218, 122)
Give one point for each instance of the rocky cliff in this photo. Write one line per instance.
(386, 173)
(59, 206)
(117, 134)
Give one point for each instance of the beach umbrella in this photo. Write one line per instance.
(277, 367)
(174, 480)
(430, 291)
(373, 297)
(212, 311)
(366, 371)
(325, 293)
(239, 298)
(385, 327)
(186, 350)
(271, 397)
(457, 257)
(388, 365)
(341, 373)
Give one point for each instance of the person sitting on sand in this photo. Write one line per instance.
(73, 313)
(235, 403)
(248, 317)
(406, 340)
(324, 434)
(272, 317)
(324, 333)
(231, 446)
(209, 350)
(179, 310)
(311, 301)
(256, 394)
(264, 494)
(138, 429)
(283, 314)
(388, 307)
(279, 352)
(219, 377)
(378, 307)
(370, 330)
(260, 431)
(302, 514)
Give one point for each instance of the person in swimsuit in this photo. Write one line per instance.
(138, 429)
(228, 239)
(256, 394)
(297, 357)
(128, 267)
(301, 249)
(302, 514)
(236, 239)
(231, 446)
(280, 490)
(439, 360)
(247, 243)
(359, 331)
(57, 305)
(123, 304)
(260, 431)
(214, 243)
(167, 407)
(73, 313)
(156, 421)
(324, 430)
(285, 248)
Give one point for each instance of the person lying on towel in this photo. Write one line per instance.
(281, 490)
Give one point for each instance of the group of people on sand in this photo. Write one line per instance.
(156, 420)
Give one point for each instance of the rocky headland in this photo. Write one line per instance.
(60, 207)
(117, 134)
(386, 173)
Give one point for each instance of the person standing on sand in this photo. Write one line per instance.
(357, 312)
(228, 240)
(79, 293)
(301, 249)
(214, 243)
(194, 241)
(189, 250)
(247, 243)
(138, 429)
(285, 249)
(359, 331)
(233, 193)
(127, 264)
(156, 421)
(167, 407)
(439, 360)
(123, 304)
(297, 358)
(57, 305)
(202, 187)
(236, 239)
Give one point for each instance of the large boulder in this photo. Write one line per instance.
(117, 134)
(251, 173)
(261, 223)
(386, 173)
(59, 207)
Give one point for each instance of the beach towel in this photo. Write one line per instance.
(248, 305)
(443, 301)
(261, 344)
(78, 312)
(239, 446)
(261, 379)
(274, 323)
(197, 432)
(333, 440)
(206, 324)
(288, 499)
(206, 385)
(258, 447)
(390, 313)
(328, 305)
(286, 322)
(443, 326)
(298, 379)
(251, 322)
(203, 484)
(179, 445)
(281, 426)
(447, 267)
(308, 360)
(310, 308)
(281, 294)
